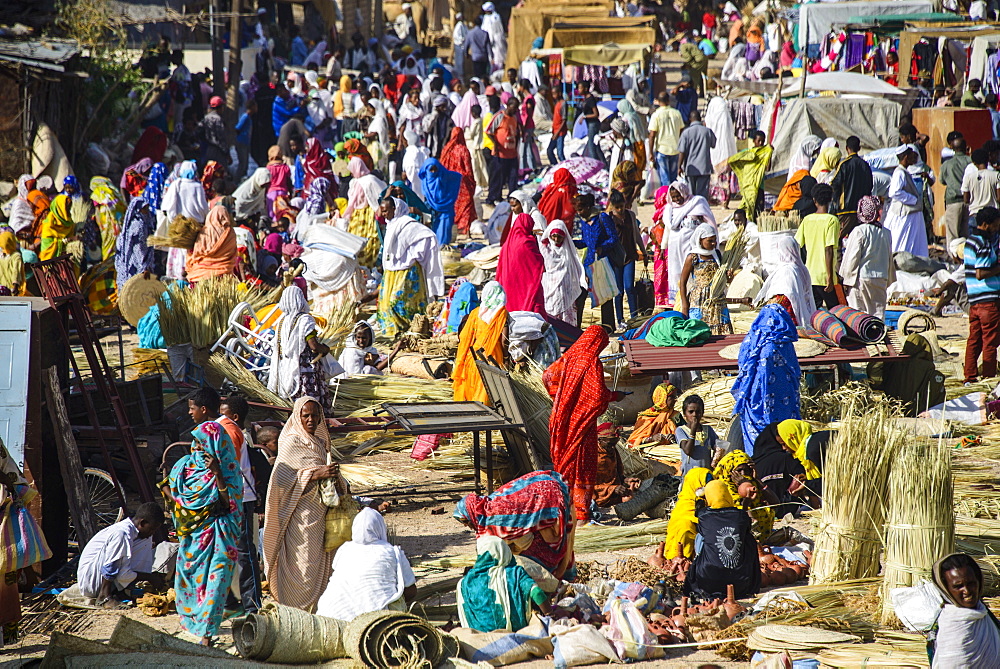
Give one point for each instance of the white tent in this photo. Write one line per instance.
(842, 82)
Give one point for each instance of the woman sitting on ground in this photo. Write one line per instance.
(966, 634)
(360, 356)
(728, 554)
(497, 593)
(658, 423)
(369, 573)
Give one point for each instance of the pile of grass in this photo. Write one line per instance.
(199, 314)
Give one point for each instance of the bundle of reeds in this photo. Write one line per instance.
(535, 403)
(717, 394)
(339, 325)
(181, 234)
(920, 520)
(244, 379)
(855, 480)
(173, 316)
(369, 477)
(778, 221)
(199, 314)
(600, 538)
(364, 393)
(732, 256)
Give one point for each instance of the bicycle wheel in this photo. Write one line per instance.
(104, 497)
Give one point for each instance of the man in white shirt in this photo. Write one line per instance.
(459, 47)
(980, 188)
(234, 411)
(118, 555)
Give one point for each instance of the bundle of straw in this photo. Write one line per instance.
(855, 479)
(363, 393)
(717, 394)
(535, 404)
(733, 255)
(244, 380)
(920, 520)
(200, 313)
(173, 316)
(778, 221)
(181, 234)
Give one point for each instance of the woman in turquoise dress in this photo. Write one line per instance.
(206, 495)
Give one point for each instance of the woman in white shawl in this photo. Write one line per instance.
(411, 114)
(332, 274)
(493, 25)
(296, 353)
(411, 261)
(362, 204)
(22, 214)
(184, 196)
(251, 196)
(369, 573)
(684, 212)
(967, 634)
(522, 203)
(803, 157)
(564, 279)
(379, 127)
(789, 277)
(736, 67)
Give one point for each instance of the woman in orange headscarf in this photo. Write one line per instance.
(659, 422)
(483, 330)
(576, 384)
(557, 199)
(456, 157)
(355, 149)
(214, 252)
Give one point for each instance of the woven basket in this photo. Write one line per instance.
(137, 296)
(394, 639)
(287, 635)
(913, 321)
(421, 325)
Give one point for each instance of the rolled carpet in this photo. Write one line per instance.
(866, 327)
(830, 326)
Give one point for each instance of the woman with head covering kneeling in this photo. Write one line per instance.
(728, 554)
(966, 634)
(369, 573)
(497, 593)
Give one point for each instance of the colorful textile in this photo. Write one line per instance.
(867, 328)
(763, 516)
(795, 434)
(749, 166)
(527, 505)
(401, 296)
(132, 254)
(643, 330)
(767, 388)
(441, 189)
(678, 331)
(682, 527)
(576, 384)
(214, 252)
(701, 306)
(213, 172)
(56, 227)
(477, 335)
(829, 326)
(207, 526)
(521, 267)
(661, 418)
(99, 288)
(316, 162)
(363, 224)
(109, 209)
(496, 593)
(462, 299)
(456, 157)
(153, 191)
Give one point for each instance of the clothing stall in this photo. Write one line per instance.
(924, 45)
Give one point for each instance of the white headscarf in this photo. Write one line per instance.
(499, 550)
(185, 196)
(290, 341)
(21, 212)
(369, 573)
(493, 300)
(703, 231)
(407, 242)
(563, 277)
(802, 159)
(790, 278)
(251, 196)
(531, 209)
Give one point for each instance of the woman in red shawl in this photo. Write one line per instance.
(355, 149)
(456, 157)
(557, 200)
(316, 163)
(213, 172)
(520, 268)
(152, 144)
(576, 384)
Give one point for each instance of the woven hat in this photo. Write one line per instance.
(804, 348)
(137, 296)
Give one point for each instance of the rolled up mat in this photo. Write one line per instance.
(287, 635)
(867, 328)
(913, 321)
(387, 639)
(829, 326)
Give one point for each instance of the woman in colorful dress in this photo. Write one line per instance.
(695, 290)
(206, 495)
(411, 262)
(563, 281)
(362, 205)
(484, 330)
(293, 373)
(681, 215)
(58, 224)
(576, 384)
(456, 157)
(280, 185)
(109, 210)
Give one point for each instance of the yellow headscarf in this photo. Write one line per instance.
(762, 515)
(8, 242)
(660, 396)
(828, 160)
(338, 97)
(717, 495)
(795, 434)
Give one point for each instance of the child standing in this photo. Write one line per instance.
(698, 442)
(818, 234)
(867, 266)
(982, 281)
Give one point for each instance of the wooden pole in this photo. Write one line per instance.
(81, 508)
(235, 69)
(805, 65)
(218, 57)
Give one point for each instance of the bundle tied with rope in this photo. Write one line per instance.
(181, 234)
(377, 639)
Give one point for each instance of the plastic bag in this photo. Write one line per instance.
(339, 515)
(500, 648)
(917, 607)
(628, 632)
(22, 543)
(580, 645)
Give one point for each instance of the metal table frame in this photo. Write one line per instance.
(421, 418)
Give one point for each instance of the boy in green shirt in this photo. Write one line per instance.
(819, 235)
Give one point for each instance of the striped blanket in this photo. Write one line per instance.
(864, 326)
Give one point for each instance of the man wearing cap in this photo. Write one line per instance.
(458, 36)
(904, 218)
(213, 130)
(480, 50)
(406, 27)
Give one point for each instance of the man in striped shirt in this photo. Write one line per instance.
(982, 281)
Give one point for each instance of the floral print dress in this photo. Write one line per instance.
(208, 534)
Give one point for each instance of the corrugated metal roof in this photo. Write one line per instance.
(49, 54)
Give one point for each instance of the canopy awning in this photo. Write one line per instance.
(842, 82)
(607, 55)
